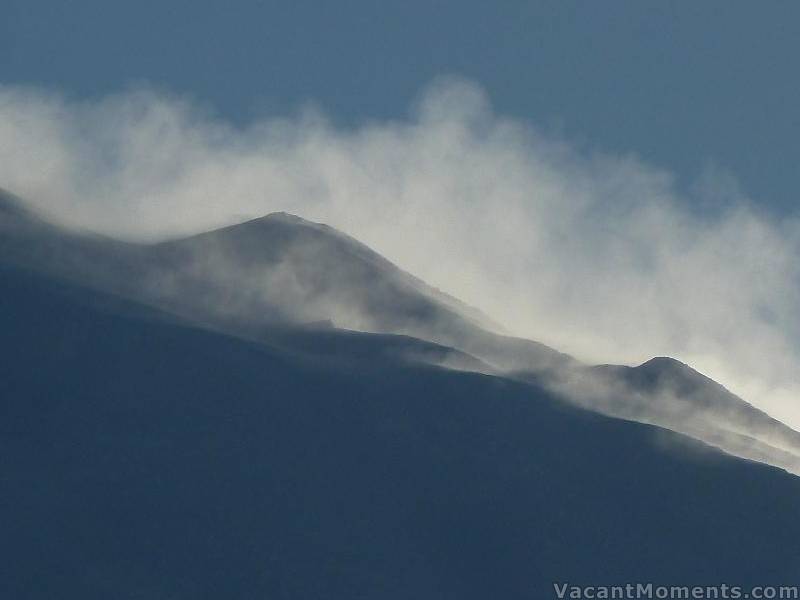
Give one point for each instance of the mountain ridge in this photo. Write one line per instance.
(257, 278)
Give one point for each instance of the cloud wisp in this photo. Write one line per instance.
(594, 254)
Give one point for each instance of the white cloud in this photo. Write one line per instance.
(597, 255)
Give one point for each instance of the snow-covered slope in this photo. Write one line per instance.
(147, 458)
(276, 279)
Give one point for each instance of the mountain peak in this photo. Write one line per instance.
(664, 363)
(280, 220)
(285, 217)
(664, 370)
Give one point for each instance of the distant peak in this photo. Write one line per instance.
(285, 217)
(664, 362)
(664, 366)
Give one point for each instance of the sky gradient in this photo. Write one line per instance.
(687, 86)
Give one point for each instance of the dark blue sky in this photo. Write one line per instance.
(683, 84)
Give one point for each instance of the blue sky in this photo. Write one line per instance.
(684, 85)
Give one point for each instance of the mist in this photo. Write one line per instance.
(599, 255)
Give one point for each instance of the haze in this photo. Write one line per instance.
(598, 255)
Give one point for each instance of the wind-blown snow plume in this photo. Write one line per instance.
(601, 256)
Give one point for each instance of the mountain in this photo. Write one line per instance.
(146, 457)
(282, 268)
(669, 393)
(296, 285)
(700, 397)
(268, 272)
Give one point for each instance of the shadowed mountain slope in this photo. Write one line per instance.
(146, 458)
